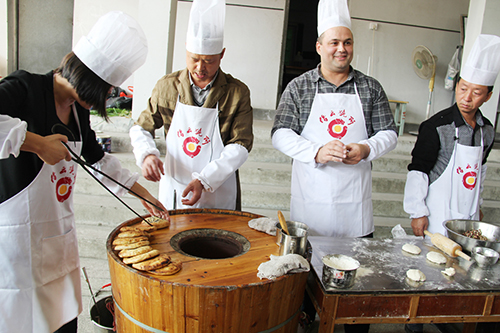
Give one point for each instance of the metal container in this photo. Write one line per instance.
(484, 256)
(289, 224)
(339, 271)
(456, 228)
(100, 315)
(295, 243)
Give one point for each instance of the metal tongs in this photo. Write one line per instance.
(85, 164)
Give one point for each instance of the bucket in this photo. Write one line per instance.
(295, 243)
(105, 142)
(100, 315)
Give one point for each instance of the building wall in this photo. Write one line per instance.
(3, 38)
(45, 33)
(403, 25)
(254, 42)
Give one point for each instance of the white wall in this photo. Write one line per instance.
(87, 12)
(3, 38)
(253, 40)
(483, 19)
(405, 24)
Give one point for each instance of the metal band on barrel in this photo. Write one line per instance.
(154, 330)
(138, 323)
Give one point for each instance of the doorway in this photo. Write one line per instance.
(301, 35)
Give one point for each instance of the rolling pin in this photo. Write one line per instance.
(446, 245)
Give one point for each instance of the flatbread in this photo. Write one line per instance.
(141, 257)
(436, 258)
(411, 248)
(157, 222)
(158, 262)
(415, 275)
(130, 240)
(131, 233)
(171, 269)
(134, 252)
(450, 271)
(131, 245)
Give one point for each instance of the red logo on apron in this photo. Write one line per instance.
(469, 180)
(470, 177)
(63, 189)
(64, 184)
(338, 123)
(191, 146)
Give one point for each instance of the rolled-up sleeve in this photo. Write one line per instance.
(12, 135)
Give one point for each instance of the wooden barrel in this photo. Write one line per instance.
(207, 295)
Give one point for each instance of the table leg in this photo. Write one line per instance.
(469, 328)
(327, 314)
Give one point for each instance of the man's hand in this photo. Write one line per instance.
(152, 168)
(196, 187)
(356, 152)
(419, 225)
(140, 190)
(49, 148)
(334, 151)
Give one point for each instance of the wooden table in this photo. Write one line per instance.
(382, 294)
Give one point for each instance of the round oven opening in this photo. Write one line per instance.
(210, 243)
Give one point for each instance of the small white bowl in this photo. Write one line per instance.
(484, 256)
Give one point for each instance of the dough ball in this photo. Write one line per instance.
(450, 271)
(436, 258)
(411, 248)
(415, 275)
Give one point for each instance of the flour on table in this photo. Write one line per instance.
(436, 257)
(415, 275)
(411, 248)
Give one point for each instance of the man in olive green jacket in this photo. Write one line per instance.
(207, 118)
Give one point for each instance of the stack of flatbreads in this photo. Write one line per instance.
(134, 248)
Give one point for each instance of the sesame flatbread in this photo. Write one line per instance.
(158, 262)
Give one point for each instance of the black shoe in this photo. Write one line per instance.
(414, 328)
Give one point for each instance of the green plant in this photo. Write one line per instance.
(114, 112)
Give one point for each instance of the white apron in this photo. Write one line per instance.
(334, 199)
(40, 280)
(455, 194)
(193, 141)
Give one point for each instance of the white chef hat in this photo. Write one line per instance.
(114, 48)
(333, 13)
(483, 64)
(205, 33)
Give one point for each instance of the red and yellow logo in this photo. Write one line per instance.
(337, 128)
(338, 123)
(191, 146)
(64, 185)
(469, 180)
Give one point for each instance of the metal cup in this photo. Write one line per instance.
(296, 242)
(289, 224)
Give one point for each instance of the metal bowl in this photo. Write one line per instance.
(484, 256)
(456, 228)
(339, 271)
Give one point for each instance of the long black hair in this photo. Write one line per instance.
(90, 88)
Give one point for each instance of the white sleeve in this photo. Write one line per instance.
(484, 167)
(215, 173)
(12, 135)
(416, 189)
(380, 144)
(111, 166)
(297, 147)
(143, 144)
